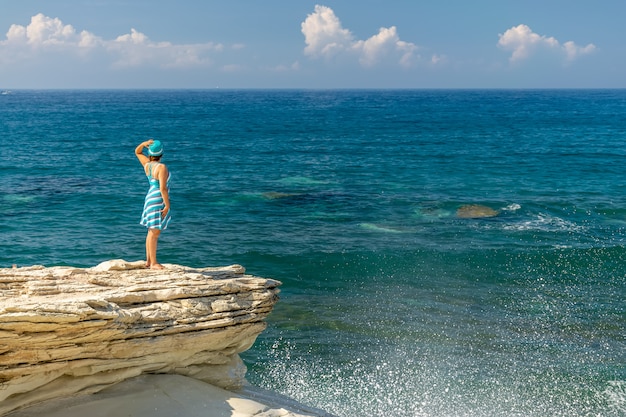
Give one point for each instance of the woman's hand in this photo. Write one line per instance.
(164, 212)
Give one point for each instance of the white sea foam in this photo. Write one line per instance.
(382, 229)
(615, 396)
(545, 222)
(18, 199)
(512, 207)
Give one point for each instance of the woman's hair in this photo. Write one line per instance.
(156, 158)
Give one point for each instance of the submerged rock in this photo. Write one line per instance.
(475, 211)
(67, 330)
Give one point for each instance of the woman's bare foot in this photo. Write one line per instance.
(157, 266)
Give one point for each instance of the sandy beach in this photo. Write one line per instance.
(169, 396)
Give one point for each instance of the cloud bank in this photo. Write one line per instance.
(326, 38)
(47, 52)
(46, 34)
(523, 42)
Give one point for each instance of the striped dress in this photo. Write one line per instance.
(151, 216)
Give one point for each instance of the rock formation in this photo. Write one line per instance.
(67, 330)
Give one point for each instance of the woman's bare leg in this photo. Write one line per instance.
(148, 263)
(152, 241)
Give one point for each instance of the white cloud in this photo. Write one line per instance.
(437, 59)
(44, 32)
(295, 66)
(127, 50)
(325, 38)
(134, 37)
(378, 46)
(323, 33)
(573, 51)
(522, 41)
(136, 49)
(233, 68)
(89, 40)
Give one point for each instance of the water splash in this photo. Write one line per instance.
(512, 207)
(406, 381)
(615, 396)
(546, 223)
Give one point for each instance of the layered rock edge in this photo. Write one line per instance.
(66, 331)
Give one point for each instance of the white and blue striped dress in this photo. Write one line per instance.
(151, 216)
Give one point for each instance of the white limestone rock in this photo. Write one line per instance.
(65, 330)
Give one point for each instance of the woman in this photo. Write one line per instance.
(156, 209)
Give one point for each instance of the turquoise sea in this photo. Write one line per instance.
(391, 304)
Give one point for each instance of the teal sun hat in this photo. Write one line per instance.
(156, 149)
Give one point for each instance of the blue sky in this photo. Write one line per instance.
(312, 44)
